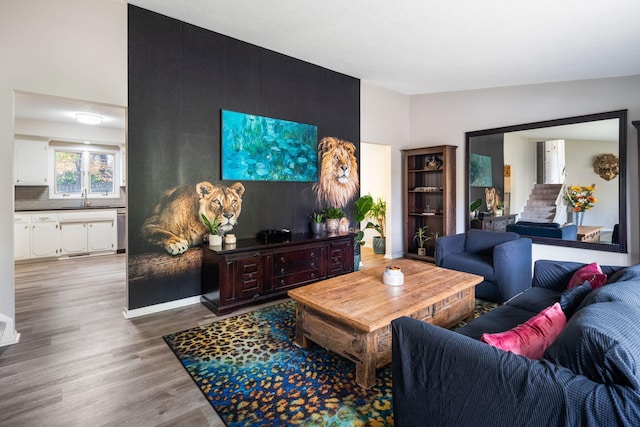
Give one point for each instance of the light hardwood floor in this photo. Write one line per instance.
(79, 362)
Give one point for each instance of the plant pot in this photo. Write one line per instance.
(333, 224)
(215, 240)
(356, 262)
(315, 228)
(422, 251)
(379, 245)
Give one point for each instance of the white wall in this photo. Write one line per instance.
(445, 117)
(375, 179)
(385, 120)
(69, 48)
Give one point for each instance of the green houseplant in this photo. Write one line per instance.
(421, 237)
(378, 214)
(360, 208)
(332, 217)
(215, 239)
(315, 227)
(473, 208)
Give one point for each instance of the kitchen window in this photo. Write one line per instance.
(80, 172)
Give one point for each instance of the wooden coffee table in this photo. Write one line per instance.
(588, 233)
(351, 314)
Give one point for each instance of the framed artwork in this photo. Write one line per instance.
(480, 171)
(257, 148)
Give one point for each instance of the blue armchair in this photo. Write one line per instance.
(503, 259)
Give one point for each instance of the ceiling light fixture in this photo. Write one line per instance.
(89, 119)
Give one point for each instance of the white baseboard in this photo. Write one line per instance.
(8, 335)
(143, 311)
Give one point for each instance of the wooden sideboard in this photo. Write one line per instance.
(249, 272)
(494, 223)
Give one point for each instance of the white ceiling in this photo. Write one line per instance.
(33, 106)
(427, 46)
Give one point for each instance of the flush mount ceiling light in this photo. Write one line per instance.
(89, 119)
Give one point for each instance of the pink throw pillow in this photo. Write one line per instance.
(531, 338)
(592, 273)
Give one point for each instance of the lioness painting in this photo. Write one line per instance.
(176, 223)
(338, 182)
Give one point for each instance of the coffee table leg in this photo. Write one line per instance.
(366, 370)
(301, 339)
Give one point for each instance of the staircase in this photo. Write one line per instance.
(541, 205)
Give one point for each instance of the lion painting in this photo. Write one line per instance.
(338, 182)
(176, 223)
(492, 198)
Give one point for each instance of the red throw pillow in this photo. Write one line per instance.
(592, 273)
(531, 338)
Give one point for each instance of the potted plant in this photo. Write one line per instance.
(422, 238)
(499, 209)
(360, 208)
(473, 209)
(215, 239)
(332, 217)
(378, 213)
(316, 223)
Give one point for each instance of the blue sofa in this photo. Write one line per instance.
(503, 259)
(589, 376)
(545, 229)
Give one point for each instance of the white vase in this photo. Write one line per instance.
(215, 240)
(332, 225)
(578, 217)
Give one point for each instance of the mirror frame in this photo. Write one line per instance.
(621, 115)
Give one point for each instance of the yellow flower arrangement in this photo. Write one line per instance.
(580, 198)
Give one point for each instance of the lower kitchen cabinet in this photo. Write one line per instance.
(51, 234)
(250, 272)
(22, 237)
(45, 237)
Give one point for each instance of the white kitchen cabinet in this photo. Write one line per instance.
(88, 231)
(31, 162)
(45, 235)
(100, 236)
(74, 238)
(22, 237)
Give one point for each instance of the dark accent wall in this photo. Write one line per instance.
(180, 77)
(492, 146)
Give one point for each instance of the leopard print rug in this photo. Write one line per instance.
(253, 375)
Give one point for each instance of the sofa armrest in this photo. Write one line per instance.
(442, 378)
(447, 245)
(512, 263)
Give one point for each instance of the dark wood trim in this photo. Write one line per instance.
(622, 190)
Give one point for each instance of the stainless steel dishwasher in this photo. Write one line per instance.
(122, 230)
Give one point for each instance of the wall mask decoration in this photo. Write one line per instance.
(338, 182)
(176, 223)
(607, 166)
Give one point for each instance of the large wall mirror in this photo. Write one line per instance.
(555, 154)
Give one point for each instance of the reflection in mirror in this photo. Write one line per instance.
(523, 175)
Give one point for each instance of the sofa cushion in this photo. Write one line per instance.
(471, 263)
(570, 299)
(591, 273)
(601, 342)
(624, 274)
(627, 292)
(482, 242)
(553, 274)
(500, 319)
(538, 224)
(531, 338)
(535, 299)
